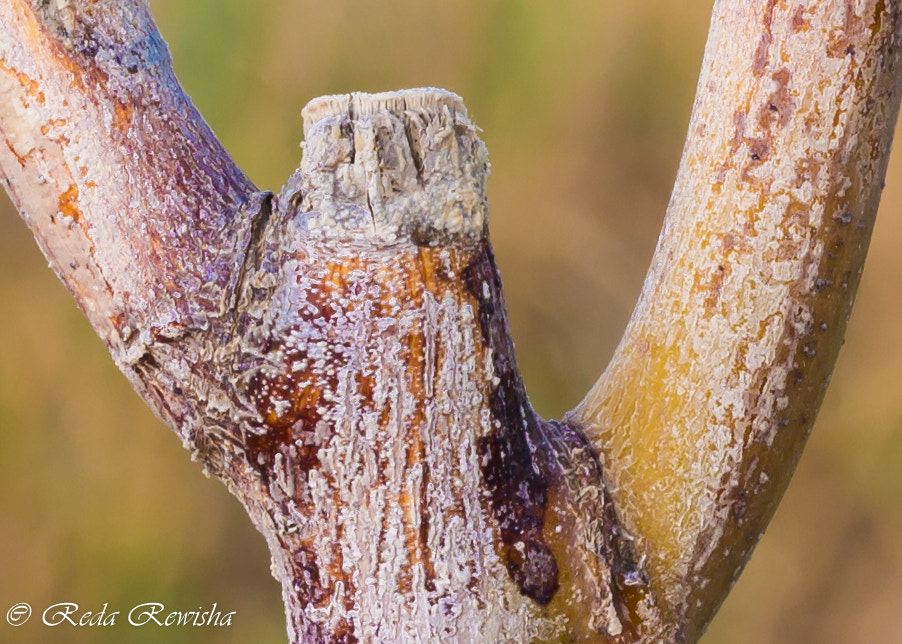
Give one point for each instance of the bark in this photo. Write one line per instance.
(703, 412)
(338, 354)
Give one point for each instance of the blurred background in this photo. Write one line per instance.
(584, 106)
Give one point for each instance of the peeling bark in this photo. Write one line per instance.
(339, 355)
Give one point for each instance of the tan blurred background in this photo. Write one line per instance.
(584, 106)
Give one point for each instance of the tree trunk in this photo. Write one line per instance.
(339, 355)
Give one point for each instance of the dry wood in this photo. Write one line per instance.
(409, 491)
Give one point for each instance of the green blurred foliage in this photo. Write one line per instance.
(584, 106)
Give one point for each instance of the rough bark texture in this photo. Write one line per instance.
(704, 410)
(384, 444)
(339, 355)
(128, 192)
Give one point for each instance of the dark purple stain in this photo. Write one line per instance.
(518, 493)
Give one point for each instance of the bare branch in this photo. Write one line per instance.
(704, 410)
(339, 354)
(127, 191)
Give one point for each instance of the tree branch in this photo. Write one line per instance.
(339, 354)
(704, 410)
(127, 191)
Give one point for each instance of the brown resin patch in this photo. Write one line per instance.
(780, 106)
(614, 573)
(518, 493)
(767, 39)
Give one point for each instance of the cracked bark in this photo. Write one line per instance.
(338, 354)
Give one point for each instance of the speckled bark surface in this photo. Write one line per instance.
(338, 354)
(704, 410)
(407, 480)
